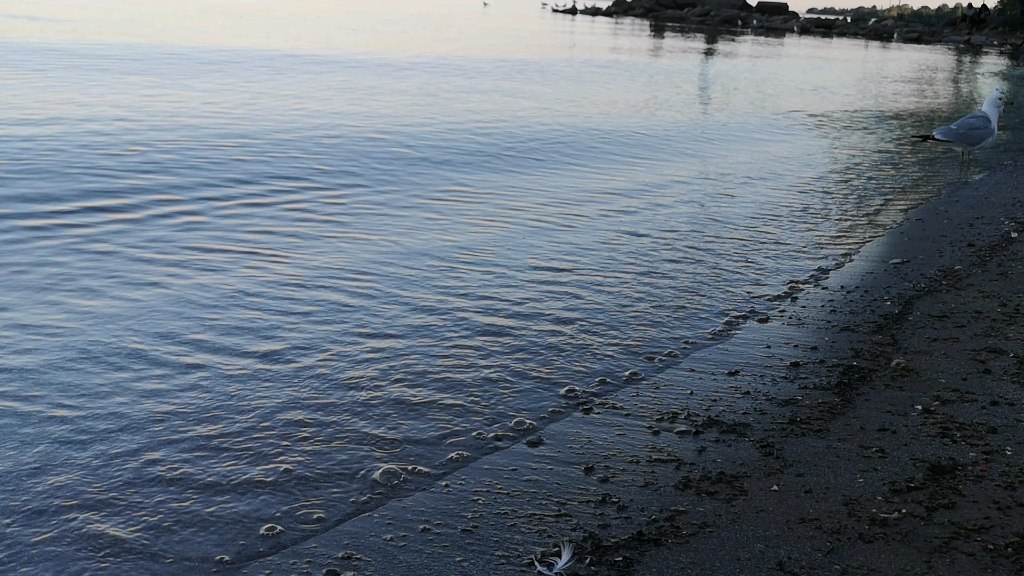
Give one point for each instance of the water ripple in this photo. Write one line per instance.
(238, 285)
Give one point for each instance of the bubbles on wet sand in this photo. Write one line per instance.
(382, 444)
(222, 559)
(480, 435)
(457, 456)
(418, 470)
(571, 392)
(389, 475)
(393, 474)
(271, 530)
(522, 425)
(736, 318)
(671, 354)
(720, 332)
(633, 376)
(602, 381)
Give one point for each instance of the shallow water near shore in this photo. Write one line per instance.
(237, 282)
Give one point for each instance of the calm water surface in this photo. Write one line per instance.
(242, 271)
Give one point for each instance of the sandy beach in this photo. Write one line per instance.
(867, 425)
(901, 454)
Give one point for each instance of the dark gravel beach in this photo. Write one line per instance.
(868, 425)
(901, 454)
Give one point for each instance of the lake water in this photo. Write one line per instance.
(250, 255)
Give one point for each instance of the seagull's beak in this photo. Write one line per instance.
(1009, 102)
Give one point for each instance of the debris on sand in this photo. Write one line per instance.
(557, 565)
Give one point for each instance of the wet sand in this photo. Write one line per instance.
(870, 424)
(902, 454)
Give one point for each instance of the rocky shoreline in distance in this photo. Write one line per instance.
(922, 26)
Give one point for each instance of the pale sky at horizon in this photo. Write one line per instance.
(424, 26)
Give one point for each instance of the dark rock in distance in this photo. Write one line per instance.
(719, 5)
(670, 16)
(772, 8)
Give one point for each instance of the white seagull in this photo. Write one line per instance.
(974, 131)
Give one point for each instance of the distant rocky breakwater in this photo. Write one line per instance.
(775, 18)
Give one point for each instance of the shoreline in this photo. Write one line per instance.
(900, 452)
(795, 447)
(776, 19)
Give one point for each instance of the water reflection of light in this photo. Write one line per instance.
(417, 26)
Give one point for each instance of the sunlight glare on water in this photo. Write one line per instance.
(402, 26)
(255, 254)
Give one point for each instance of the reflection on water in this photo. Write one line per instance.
(244, 287)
